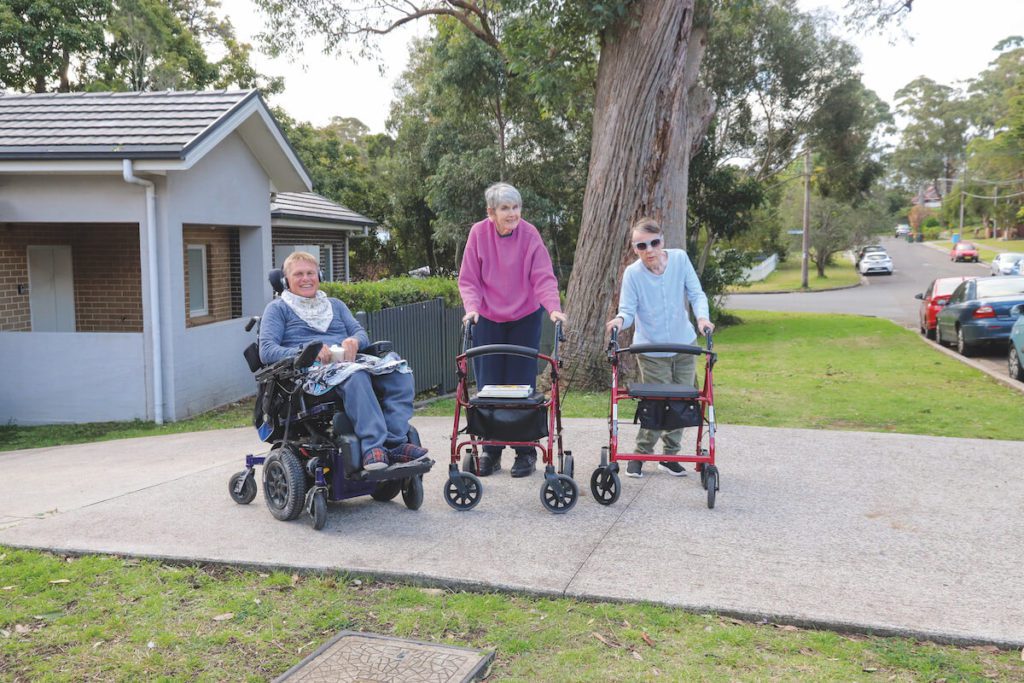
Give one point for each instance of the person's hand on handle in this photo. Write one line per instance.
(559, 317)
(705, 324)
(613, 323)
(471, 317)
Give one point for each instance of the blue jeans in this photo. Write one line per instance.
(505, 369)
(379, 406)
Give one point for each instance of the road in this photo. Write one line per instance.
(883, 296)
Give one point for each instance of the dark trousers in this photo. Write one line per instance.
(505, 369)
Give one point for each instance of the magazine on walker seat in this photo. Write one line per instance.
(504, 391)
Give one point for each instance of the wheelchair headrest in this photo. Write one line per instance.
(276, 278)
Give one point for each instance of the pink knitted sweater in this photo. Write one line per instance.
(507, 278)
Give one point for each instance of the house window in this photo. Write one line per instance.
(327, 262)
(198, 296)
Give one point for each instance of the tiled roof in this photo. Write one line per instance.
(101, 125)
(313, 207)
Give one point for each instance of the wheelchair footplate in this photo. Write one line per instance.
(402, 470)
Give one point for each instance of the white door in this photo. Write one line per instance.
(51, 289)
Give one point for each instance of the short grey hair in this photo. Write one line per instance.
(499, 193)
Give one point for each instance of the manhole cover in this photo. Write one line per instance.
(352, 657)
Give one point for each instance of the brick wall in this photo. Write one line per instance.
(223, 272)
(321, 238)
(107, 274)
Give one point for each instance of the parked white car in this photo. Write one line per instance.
(1006, 263)
(902, 230)
(875, 262)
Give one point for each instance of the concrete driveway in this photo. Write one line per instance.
(882, 533)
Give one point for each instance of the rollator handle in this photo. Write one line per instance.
(467, 335)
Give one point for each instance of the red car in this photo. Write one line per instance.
(932, 301)
(964, 251)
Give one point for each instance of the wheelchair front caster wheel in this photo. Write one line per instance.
(462, 491)
(412, 492)
(242, 487)
(559, 495)
(319, 510)
(605, 485)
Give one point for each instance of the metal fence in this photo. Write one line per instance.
(429, 335)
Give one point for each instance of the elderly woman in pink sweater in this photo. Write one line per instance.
(507, 282)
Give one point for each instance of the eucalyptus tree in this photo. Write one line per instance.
(932, 143)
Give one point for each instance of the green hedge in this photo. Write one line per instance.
(932, 232)
(373, 296)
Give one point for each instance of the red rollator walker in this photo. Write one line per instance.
(513, 421)
(664, 407)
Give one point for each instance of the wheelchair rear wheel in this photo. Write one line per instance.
(284, 484)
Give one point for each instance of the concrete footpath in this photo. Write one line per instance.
(881, 533)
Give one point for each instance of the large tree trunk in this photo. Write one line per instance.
(649, 115)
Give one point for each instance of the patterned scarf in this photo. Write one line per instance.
(316, 312)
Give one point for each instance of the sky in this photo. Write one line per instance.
(952, 41)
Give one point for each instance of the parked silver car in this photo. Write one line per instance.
(1006, 263)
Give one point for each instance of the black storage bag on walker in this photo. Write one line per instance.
(667, 415)
(508, 419)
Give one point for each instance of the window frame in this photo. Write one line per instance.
(205, 310)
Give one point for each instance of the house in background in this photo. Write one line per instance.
(135, 238)
(304, 221)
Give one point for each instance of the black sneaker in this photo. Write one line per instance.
(635, 469)
(673, 468)
(524, 465)
(489, 464)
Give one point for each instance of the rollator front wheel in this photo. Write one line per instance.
(247, 492)
(412, 492)
(559, 496)
(711, 483)
(468, 497)
(605, 486)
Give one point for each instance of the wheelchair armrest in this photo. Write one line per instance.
(378, 348)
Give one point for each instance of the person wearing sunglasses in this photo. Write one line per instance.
(507, 282)
(655, 290)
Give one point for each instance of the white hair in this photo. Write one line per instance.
(500, 193)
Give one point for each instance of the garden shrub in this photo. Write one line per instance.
(373, 296)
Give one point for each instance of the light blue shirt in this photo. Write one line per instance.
(657, 302)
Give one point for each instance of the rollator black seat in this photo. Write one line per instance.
(662, 391)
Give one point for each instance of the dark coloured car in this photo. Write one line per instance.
(932, 301)
(978, 313)
(964, 251)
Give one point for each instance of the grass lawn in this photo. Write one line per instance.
(838, 372)
(787, 278)
(109, 618)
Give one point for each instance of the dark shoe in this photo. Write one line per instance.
(375, 459)
(407, 452)
(673, 468)
(635, 469)
(524, 465)
(489, 464)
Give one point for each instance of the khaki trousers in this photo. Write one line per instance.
(680, 368)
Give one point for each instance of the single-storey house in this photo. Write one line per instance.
(136, 232)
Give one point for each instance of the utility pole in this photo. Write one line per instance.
(963, 198)
(807, 218)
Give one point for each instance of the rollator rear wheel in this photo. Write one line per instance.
(284, 484)
(387, 490)
(605, 486)
(319, 510)
(472, 490)
(559, 502)
(248, 492)
(412, 492)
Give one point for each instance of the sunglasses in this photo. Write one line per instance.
(653, 244)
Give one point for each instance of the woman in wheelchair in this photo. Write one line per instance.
(304, 314)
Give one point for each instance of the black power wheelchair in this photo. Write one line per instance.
(315, 457)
